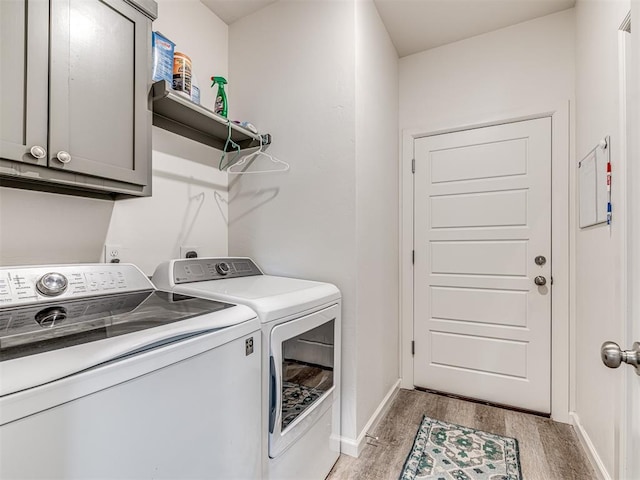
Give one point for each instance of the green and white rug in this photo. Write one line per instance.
(445, 451)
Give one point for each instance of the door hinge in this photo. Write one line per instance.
(413, 165)
(551, 278)
(413, 257)
(413, 347)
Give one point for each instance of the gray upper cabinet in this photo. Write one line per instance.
(23, 80)
(83, 95)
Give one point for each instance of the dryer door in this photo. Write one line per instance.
(302, 377)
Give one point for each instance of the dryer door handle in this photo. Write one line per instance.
(273, 393)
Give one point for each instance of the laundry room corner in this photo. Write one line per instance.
(333, 108)
(377, 218)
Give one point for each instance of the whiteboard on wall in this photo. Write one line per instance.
(592, 186)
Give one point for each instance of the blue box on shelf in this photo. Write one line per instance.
(162, 57)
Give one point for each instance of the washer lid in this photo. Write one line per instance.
(271, 297)
(50, 336)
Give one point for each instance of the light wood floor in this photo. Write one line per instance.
(548, 450)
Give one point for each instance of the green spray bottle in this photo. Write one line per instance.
(221, 96)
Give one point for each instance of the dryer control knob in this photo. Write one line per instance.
(52, 284)
(223, 268)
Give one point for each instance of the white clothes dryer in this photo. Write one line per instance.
(103, 376)
(301, 328)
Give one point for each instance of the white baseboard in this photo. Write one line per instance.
(589, 449)
(353, 446)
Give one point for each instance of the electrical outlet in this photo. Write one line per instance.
(112, 253)
(187, 250)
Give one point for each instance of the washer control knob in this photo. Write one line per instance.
(52, 284)
(223, 268)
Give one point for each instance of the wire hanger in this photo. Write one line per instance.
(234, 145)
(247, 159)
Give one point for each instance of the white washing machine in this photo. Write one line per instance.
(103, 376)
(301, 325)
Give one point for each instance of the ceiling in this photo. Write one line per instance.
(417, 25)
(231, 10)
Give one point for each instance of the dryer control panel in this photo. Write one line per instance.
(190, 270)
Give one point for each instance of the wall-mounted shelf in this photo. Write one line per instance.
(178, 114)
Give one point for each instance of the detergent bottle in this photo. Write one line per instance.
(221, 96)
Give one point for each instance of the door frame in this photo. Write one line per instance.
(562, 233)
(630, 254)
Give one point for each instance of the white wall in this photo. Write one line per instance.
(376, 211)
(293, 74)
(44, 228)
(526, 65)
(291, 79)
(38, 227)
(598, 249)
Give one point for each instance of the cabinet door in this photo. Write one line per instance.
(24, 27)
(99, 82)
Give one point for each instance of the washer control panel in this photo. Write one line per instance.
(188, 270)
(26, 285)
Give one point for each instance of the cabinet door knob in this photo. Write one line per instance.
(63, 156)
(38, 152)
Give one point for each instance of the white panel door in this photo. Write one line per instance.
(482, 327)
